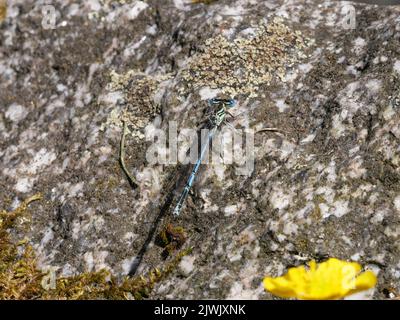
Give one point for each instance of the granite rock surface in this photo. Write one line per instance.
(327, 184)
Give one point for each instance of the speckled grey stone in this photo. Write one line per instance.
(327, 186)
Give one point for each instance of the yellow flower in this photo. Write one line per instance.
(332, 279)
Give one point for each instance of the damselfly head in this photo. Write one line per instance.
(229, 103)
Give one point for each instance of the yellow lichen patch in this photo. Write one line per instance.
(3, 10)
(332, 279)
(103, 285)
(7, 218)
(242, 65)
(18, 274)
(20, 278)
(139, 109)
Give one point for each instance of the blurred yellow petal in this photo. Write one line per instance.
(365, 281)
(332, 279)
(280, 286)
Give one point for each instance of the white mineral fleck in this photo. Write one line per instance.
(396, 66)
(281, 105)
(16, 112)
(24, 185)
(42, 159)
(187, 265)
(397, 203)
(230, 210)
(136, 10)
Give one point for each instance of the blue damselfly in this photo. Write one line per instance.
(217, 118)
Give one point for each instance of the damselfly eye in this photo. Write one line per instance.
(214, 101)
(227, 102)
(230, 103)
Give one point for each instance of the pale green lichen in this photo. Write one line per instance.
(241, 66)
(139, 107)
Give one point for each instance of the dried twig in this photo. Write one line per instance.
(131, 179)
